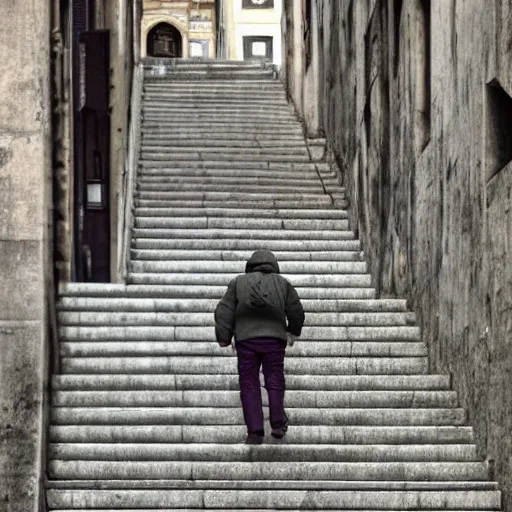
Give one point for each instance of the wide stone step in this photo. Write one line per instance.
(240, 174)
(223, 365)
(233, 244)
(222, 141)
(270, 213)
(241, 156)
(240, 125)
(197, 348)
(230, 382)
(181, 109)
(297, 167)
(184, 318)
(282, 256)
(202, 291)
(214, 87)
(234, 416)
(207, 75)
(164, 128)
(285, 183)
(218, 279)
(163, 186)
(248, 234)
(226, 267)
(321, 202)
(276, 198)
(90, 304)
(278, 499)
(295, 435)
(345, 485)
(268, 453)
(200, 222)
(324, 399)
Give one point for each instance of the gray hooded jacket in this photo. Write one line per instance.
(259, 304)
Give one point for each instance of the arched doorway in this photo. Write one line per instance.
(164, 40)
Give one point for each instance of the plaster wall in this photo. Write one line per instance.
(253, 22)
(407, 100)
(25, 224)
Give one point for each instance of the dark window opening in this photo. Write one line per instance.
(397, 16)
(257, 4)
(499, 135)
(258, 48)
(307, 33)
(164, 40)
(424, 106)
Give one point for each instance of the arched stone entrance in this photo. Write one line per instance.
(164, 40)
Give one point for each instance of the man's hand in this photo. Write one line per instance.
(224, 344)
(290, 339)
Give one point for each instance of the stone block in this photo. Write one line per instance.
(22, 187)
(21, 401)
(22, 274)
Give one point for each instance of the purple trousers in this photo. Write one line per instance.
(252, 355)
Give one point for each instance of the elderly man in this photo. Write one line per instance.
(263, 311)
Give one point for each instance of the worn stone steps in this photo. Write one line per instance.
(325, 399)
(183, 318)
(283, 256)
(146, 416)
(233, 416)
(230, 382)
(238, 267)
(202, 291)
(297, 435)
(222, 365)
(197, 348)
(321, 201)
(252, 174)
(268, 453)
(299, 280)
(265, 499)
(240, 223)
(89, 304)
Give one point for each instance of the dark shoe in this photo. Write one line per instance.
(255, 437)
(279, 433)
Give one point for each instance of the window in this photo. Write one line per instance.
(257, 4)
(258, 47)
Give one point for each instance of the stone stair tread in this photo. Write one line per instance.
(233, 416)
(265, 499)
(241, 212)
(200, 291)
(235, 434)
(202, 333)
(84, 303)
(275, 484)
(222, 382)
(285, 471)
(323, 399)
(183, 318)
(264, 453)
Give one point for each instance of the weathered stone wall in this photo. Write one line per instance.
(25, 171)
(414, 99)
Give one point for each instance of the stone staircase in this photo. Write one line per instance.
(146, 412)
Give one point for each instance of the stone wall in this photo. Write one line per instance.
(414, 100)
(25, 226)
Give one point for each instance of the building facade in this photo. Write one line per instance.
(251, 30)
(178, 29)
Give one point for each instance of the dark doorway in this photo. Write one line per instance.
(164, 40)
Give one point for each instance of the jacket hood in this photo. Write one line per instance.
(262, 261)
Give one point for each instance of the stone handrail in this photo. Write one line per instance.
(125, 205)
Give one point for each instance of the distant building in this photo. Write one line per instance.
(250, 30)
(174, 28)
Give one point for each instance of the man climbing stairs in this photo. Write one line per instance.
(146, 413)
